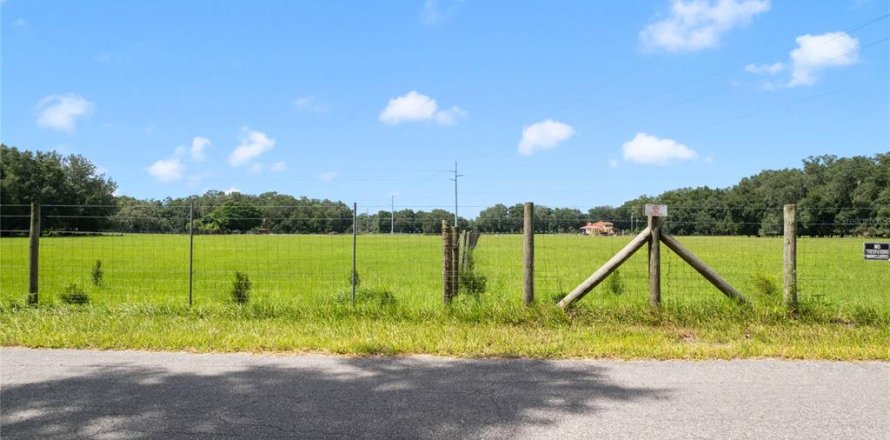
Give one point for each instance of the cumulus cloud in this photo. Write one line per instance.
(650, 150)
(813, 54)
(543, 135)
(61, 112)
(252, 144)
(416, 107)
(327, 176)
(199, 144)
(232, 190)
(278, 167)
(698, 24)
(167, 170)
(817, 52)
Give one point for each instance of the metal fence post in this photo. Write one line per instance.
(528, 248)
(191, 247)
(34, 254)
(790, 257)
(354, 227)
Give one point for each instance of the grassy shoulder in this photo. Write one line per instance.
(466, 329)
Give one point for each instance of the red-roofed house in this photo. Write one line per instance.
(598, 228)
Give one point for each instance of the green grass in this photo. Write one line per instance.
(716, 331)
(314, 269)
(300, 298)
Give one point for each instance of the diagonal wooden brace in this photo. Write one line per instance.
(606, 269)
(703, 269)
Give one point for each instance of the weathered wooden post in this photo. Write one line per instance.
(34, 254)
(528, 254)
(790, 212)
(446, 263)
(455, 261)
(654, 213)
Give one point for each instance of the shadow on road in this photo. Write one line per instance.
(334, 398)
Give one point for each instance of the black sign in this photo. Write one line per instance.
(877, 251)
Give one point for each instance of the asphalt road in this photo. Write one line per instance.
(137, 395)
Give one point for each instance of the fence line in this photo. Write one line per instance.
(109, 260)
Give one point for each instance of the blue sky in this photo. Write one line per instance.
(564, 103)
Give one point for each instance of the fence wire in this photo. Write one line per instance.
(303, 254)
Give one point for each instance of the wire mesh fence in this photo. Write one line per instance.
(303, 254)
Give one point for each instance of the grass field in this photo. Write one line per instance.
(311, 269)
(301, 285)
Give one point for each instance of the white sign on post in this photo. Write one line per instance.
(656, 210)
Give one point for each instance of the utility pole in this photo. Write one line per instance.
(392, 213)
(455, 192)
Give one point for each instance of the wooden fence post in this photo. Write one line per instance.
(528, 254)
(447, 269)
(654, 261)
(34, 254)
(455, 261)
(790, 212)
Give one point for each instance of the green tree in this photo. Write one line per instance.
(52, 179)
(236, 215)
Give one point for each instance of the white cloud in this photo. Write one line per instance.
(327, 176)
(278, 167)
(416, 107)
(309, 104)
(253, 144)
(409, 108)
(167, 170)
(699, 24)
(813, 54)
(817, 52)
(543, 135)
(650, 150)
(231, 191)
(199, 144)
(60, 112)
(765, 69)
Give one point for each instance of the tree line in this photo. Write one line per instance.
(835, 197)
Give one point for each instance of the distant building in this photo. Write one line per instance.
(598, 228)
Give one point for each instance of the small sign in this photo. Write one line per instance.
(877, 251)
(656, 210)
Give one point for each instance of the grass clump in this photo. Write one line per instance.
(765, 283)
(374, 297)
(241, 288)
(96, 274)
(614, 284)
(73, 294)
